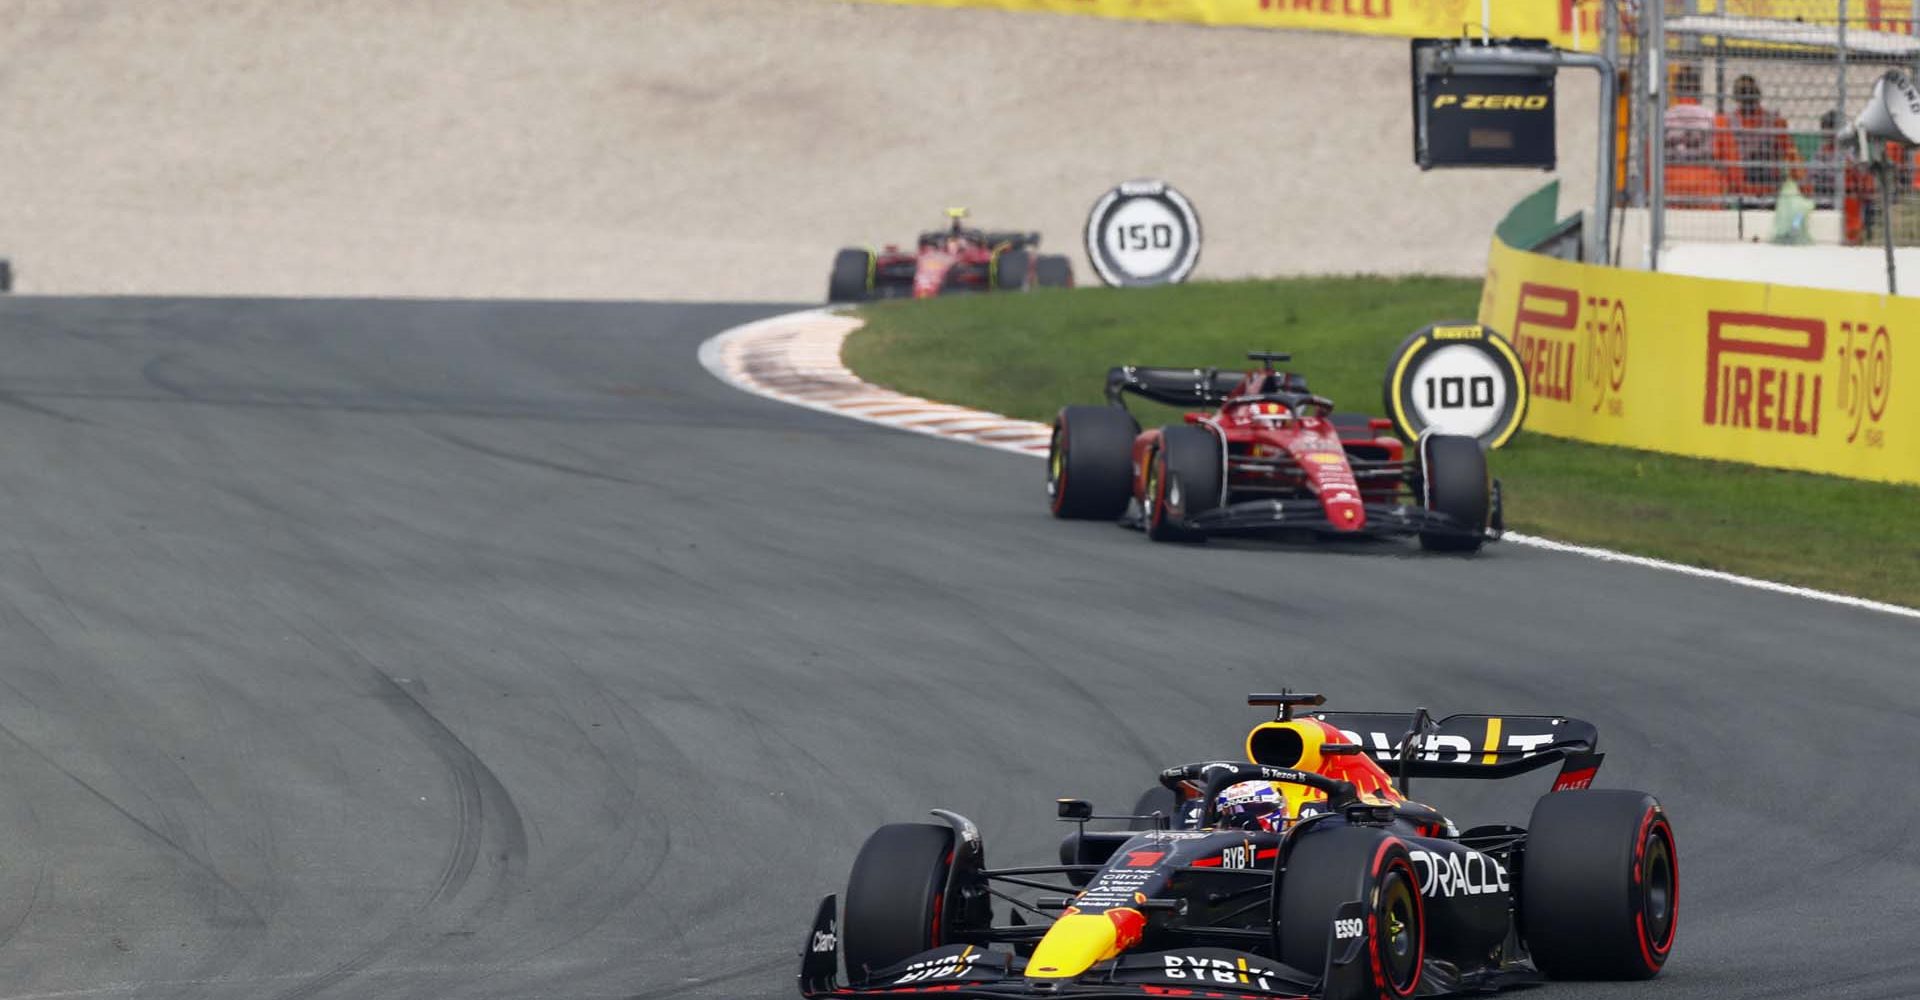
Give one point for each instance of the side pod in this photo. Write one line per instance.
(820, 953)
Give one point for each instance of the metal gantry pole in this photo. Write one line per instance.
(1883, 167)
(1840, 108)
(1654, 43)
(1594, 245)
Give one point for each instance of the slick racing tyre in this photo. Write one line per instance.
(1334, 865)
(1452, 480)
(1010, 269)
(1053, 271)
(1183, 481)
(1600, 889)
(893, 899)
(1090, 463)
(852, 278)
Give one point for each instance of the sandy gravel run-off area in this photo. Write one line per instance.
(682, 149)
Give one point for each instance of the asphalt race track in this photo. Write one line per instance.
(416, 649)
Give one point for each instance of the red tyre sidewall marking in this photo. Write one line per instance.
(1420, 919)
(1654, 953)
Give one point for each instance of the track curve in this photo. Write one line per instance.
(420, 649)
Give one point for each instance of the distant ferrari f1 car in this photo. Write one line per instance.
(1269, 454)
(1302, 872)
(958, 259)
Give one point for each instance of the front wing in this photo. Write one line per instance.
(971, 972)
(1309, 515)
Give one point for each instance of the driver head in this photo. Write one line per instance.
(1251, 805)
(1270, 414)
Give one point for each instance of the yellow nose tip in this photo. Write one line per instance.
(1078, 940)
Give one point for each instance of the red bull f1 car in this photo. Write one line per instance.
(1336, 886)
(1265, 454)
(957, 259)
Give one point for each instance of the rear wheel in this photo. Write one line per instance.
(1010, 269)
(1453, 481)
(1090, 464)
(1053, 271)
(1600, 887)
(1183, 481)
(852, 277)
(1329, 867)
(894, 896)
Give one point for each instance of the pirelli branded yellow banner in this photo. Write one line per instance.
(1794, 378)
(1558, 20)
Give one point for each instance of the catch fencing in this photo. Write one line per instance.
(1737, 140)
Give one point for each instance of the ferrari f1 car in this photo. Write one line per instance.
(958, 259)
(1269, 454)
(1341, 888)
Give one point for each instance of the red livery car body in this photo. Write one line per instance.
(1267, 454)
(957, 259)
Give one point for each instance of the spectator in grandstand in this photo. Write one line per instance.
(1693, 180)
(1856, 200)
(1755, 146)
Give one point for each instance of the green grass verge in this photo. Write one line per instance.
(1027, 355)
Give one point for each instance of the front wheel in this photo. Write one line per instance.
(1453, 481)
(895, 897)
(1329, 868)
(1158, 799)
(1183, 482)
(1600, 887)
(852, 277)
(1090, 462)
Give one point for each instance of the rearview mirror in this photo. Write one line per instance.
(1075, 809)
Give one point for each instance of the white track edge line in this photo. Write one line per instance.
(712, 358)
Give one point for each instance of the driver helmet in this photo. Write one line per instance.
(956, 243)
(1271, 414)
(1251, 805)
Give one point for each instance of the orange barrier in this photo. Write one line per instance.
(1794, 378)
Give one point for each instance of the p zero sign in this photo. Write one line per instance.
(1457, 378)
(1143, 233)
(1481, 116)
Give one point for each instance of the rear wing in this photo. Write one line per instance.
(1476, 746)
(1172, 386)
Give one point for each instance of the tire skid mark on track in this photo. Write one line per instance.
(33, 902)
(603, 897)
(199, 865)
(795, 358)
(479, 796)
(172, 810)
(529, 461)
(738, 972)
